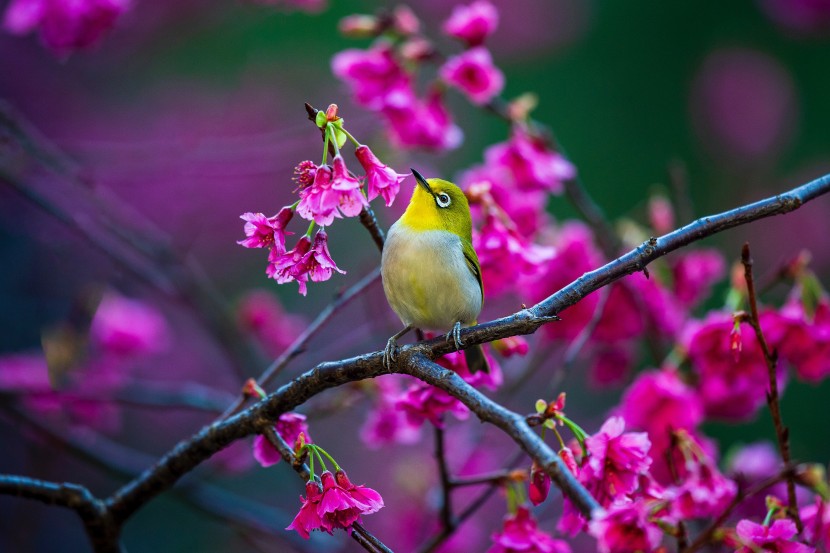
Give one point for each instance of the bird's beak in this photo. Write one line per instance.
(419, 178)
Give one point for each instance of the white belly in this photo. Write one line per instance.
(427, 280)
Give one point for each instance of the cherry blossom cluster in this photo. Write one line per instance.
(382, 78)
(327, 192)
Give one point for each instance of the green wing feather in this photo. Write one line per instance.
(473, 264)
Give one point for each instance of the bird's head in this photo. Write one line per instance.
(438, 204)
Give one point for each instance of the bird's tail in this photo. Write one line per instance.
(476, 361)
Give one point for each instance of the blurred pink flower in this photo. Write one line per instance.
(510, 346)
(127, 327)
(775, 537)
(385, 423)
(530, 162)
(421, 123)
(694, 274)
(373, 75)
(610, 367)
(422, 402)
(381, 180)
(804, 341)
(744, 105)
(731, 388)
(704, 491)
(660, 214)
(806, 16)
(521, 534)
(474, 74)
(625, 528)
(370, 499)
(261, 314)
(507, 259)
(456, 362)
(289, 426)
(472, 23)
(65, 26)
(816, 518)
(659, 402)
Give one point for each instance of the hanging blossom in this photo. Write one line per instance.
(381, 180)
(415, 122)
(473, 73)
(521, 533)
(472, 23)
(64, 26)
(334, 503)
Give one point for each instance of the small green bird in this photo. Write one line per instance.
(431, 274)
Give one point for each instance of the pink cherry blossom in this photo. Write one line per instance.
(373, 75)
(616, 461)
(319, 202)
(521, 534)
(127, 327)
(694, 274)
(456, 362)
(289, 426)
(659, 402)
(507, 259)
(385, 423)
(472, 23)
(292, 265)
(346, 188)
(775, 537)
(474, 74)
(340, 507)
(381, 180)
(64, 26)
(510, 346)
(308, 518)
(266, 232)
(422, 402)
(731, 388)
(532, 164)
(625, 528)
(421, 122)
(611, 366)
(660, 214)
(260, 313)
(803, 340)
(816, 519)
(704, 492)
(317, 262)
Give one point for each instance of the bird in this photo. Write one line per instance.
(430, 271)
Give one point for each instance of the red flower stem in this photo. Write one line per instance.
(444, 475)
(781, 432)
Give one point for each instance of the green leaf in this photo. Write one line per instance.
(320, 119)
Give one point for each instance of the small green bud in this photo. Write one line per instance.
(541, 405)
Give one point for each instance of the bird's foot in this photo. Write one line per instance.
(390, 352)
(455, 336)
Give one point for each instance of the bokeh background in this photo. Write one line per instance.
(191, 113)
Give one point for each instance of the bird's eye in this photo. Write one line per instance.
(442, 199)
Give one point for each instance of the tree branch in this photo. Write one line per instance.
(782, 433)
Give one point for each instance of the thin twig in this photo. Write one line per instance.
(782, 433)
(444, 477)
(299, 344)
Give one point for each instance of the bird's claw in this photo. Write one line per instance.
(455, 336)
(390, 352)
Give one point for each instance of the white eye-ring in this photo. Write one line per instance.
(442, 199)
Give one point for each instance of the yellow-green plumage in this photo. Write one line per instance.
(431, 274)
